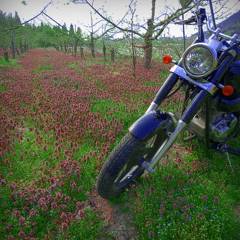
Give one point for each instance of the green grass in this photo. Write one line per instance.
(164, 74)
(12, 63)
(29, 157)
(43, 68)
(104, 106)
(3, 88)
(97, 61)
(111, 110)
(174, 205)
(89, 228)
(151, 84)
(75, 66)
(88, 168)
(28, 162)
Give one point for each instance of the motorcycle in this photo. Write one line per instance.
(209, 72)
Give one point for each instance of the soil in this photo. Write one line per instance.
(237, 211)
(119, 223)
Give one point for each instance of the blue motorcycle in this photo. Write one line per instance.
(209, 73)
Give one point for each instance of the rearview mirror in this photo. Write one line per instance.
(185, 3)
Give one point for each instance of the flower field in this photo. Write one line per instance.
(60, 117)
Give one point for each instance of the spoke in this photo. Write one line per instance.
(129, 174)
(120, 173)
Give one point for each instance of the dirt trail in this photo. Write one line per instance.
(237, 211)
(118, 222)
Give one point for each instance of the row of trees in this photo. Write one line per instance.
(29, 35)
(62, 38)
(20, 36)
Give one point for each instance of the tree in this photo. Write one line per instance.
(94, 30)
(65, 31)
(152, 29)
(77, 38)
(17, 18)
(71, 30)
(92, 42)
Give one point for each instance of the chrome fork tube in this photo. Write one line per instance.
(149, 166)
(152, 107)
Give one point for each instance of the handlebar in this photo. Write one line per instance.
(217, 32)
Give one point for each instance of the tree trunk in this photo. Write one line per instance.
(72, 49)
(81, 52)
(5, 55)
(18, 52)
(13, 43)
(147, 53)
(148, 41)
(65, 47)
(21, 46)
(104, 52)
(113, 55)
(75, 47)
(92, 46)
(25, 46)
(148, 38)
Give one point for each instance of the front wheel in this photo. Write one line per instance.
(124, 164)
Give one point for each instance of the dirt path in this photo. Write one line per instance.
(119, 223)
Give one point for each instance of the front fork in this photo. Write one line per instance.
(181, 124)
(163, 92)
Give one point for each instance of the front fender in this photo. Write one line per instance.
(150, 123)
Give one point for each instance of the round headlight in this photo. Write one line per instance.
(199, 60)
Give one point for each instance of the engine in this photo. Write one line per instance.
(222, 125)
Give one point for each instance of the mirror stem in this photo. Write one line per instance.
(212, 13)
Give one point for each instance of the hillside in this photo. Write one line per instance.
(231, 24)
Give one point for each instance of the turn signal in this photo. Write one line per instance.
(228, 90)
(167, 59)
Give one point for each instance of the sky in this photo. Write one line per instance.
(79, 14)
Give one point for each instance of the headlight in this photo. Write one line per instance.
(199, 60)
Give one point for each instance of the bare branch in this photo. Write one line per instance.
(45, 14)
(110, 21)
(173, 16)
(60, 25)
(169, 19)
(104, 33)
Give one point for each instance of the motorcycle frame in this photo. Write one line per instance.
(205, 91)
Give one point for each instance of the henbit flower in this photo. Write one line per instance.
(22, 220)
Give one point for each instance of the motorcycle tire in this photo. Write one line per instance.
(123, 166)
